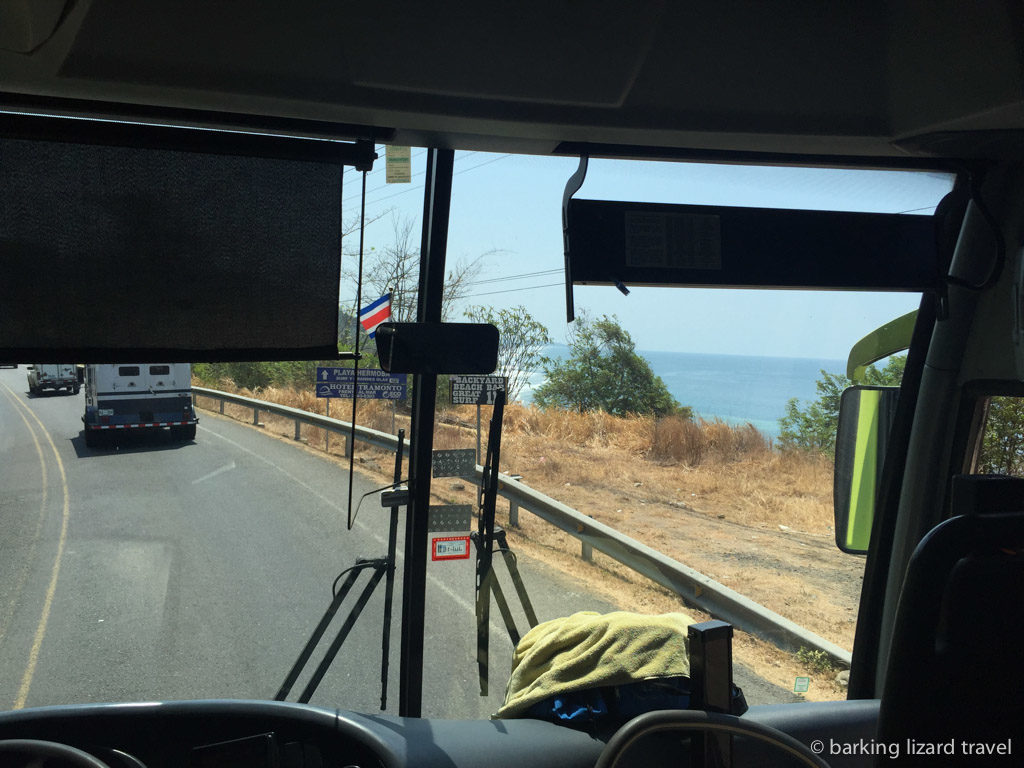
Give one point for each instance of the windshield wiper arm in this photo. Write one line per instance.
(484, 538)
(381, 566)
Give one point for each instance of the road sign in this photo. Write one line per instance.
(449, 518)
(450, 548)
(476, 390)
(374, 384)
(457, 462)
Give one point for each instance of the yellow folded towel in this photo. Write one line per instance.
(589, 650)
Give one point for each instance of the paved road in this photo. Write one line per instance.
(161, 570)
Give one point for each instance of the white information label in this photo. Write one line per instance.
(450, 548)
(397, 165)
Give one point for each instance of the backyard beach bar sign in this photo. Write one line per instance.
(476, 390)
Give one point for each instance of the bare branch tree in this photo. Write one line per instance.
(350, 229)
(396, 268)
(460, 280)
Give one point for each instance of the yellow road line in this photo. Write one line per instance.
(37, 643)
(26, 565)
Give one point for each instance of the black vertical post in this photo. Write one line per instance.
(710, 645)
(389, 581)
(437, 197)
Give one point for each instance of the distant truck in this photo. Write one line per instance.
(138, 396)
(53, 376)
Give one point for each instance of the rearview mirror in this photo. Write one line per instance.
(437, 348)
(865, 418)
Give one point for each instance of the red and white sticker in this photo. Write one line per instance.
(450, 548)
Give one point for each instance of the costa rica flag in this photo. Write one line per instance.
(375, 313)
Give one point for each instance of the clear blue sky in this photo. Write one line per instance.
(511, 206)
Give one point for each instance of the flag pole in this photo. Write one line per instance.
(355, 363)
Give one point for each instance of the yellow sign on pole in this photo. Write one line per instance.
(398, 165)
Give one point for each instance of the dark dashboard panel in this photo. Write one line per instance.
(203, 734)
(223, 734)
(169, 734)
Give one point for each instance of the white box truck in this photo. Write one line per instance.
(53, 376)
(138, 396)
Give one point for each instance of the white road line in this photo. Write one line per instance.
(208, 476)
(462, 602)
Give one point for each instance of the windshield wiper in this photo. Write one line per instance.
(484, 538)
(382, 567)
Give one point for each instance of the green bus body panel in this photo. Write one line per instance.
(891, 338)
(865, 472)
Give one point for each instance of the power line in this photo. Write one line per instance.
(522, 276)
(414, 176)
(385, 186)
(377, 169)
(381, 150)
(481, 165)
(514, 290)
(457, 173)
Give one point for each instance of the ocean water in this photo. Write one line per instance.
(735, 388)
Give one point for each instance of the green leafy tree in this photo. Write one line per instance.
(521, 340)
(298, 374)
(604, 372)
(1002, 444)
(813, 427)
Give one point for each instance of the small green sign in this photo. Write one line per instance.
(802, 685)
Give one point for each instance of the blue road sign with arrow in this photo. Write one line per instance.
(374, 384)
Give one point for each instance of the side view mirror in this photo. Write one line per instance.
(865, 419)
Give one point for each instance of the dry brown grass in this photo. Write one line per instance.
(680, 441)
(711, 495)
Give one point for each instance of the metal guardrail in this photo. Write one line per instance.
(341, 428)
(694, 587)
